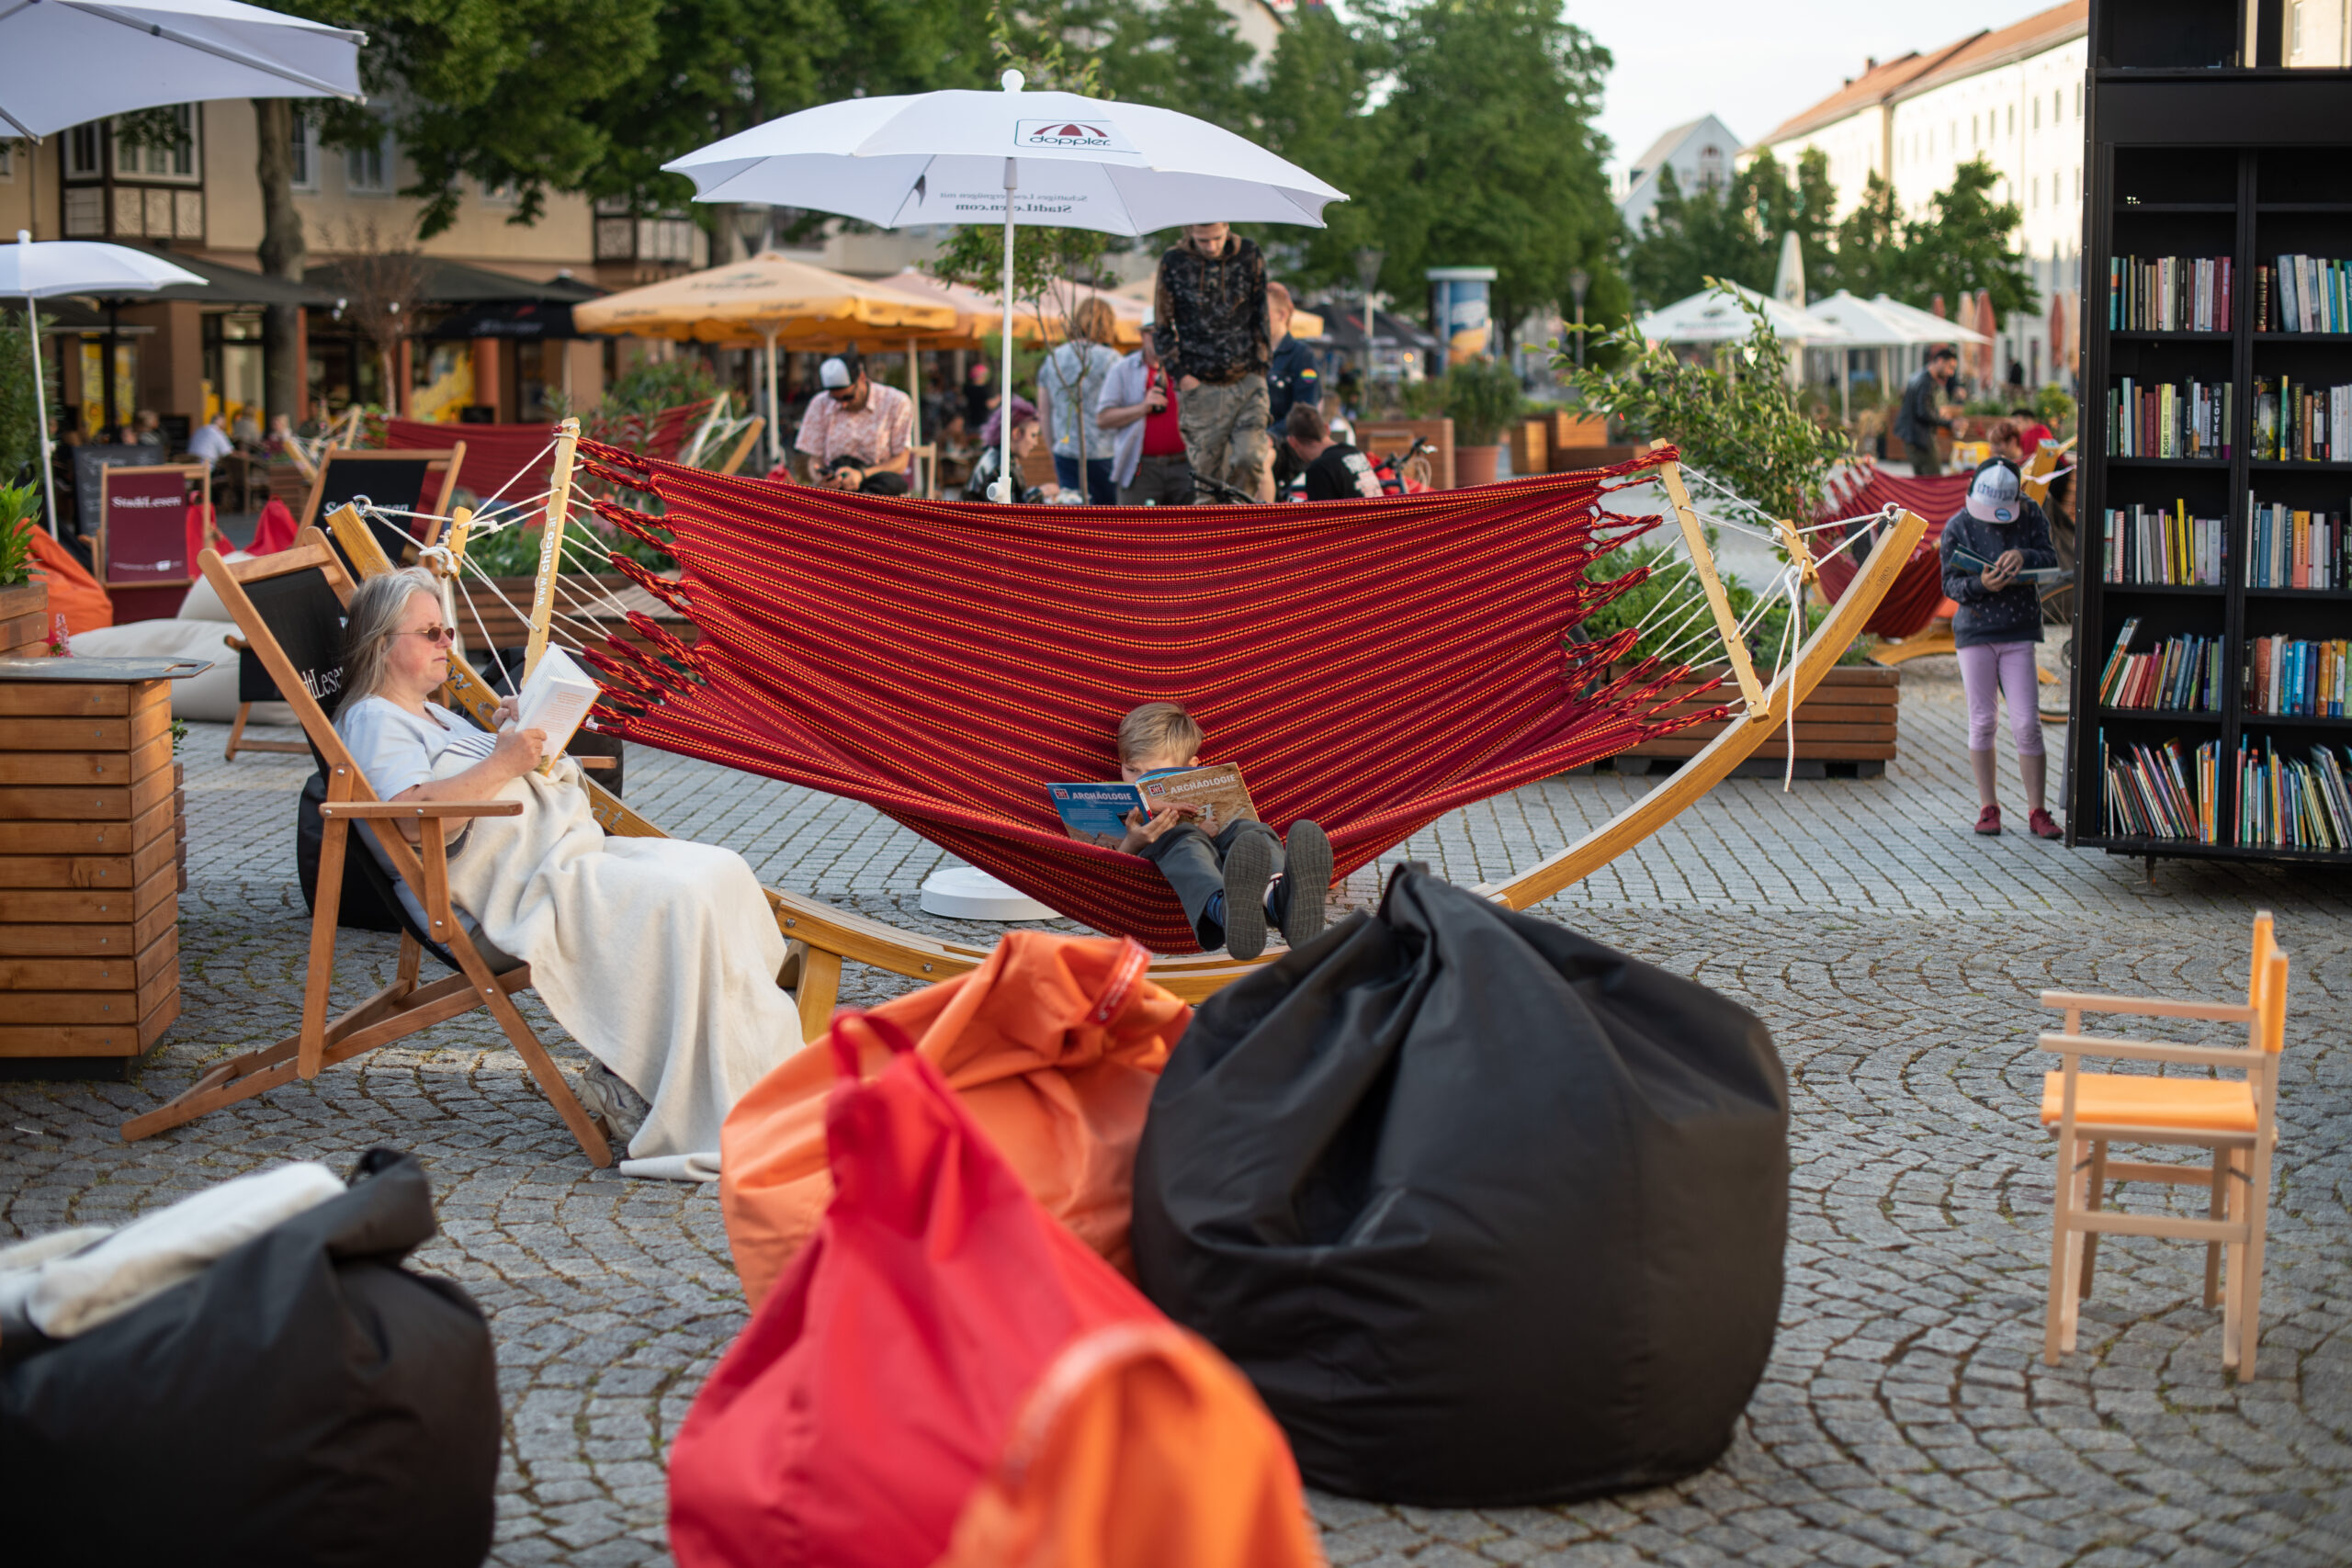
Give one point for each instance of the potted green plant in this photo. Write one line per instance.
(24, 598)
(1482, 396)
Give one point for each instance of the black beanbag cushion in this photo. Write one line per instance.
(1490, 1214)
(303, 1401)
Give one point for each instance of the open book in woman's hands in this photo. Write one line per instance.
(1096, 813)
(555, 699)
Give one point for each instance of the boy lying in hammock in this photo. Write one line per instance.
(1232, 885)
(659, 956)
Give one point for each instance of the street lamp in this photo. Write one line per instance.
(1367, 274)
(751, 221)
(1578, 281)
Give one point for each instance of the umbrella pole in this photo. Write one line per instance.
(914, 391)
(775, 411)
(1004, 477)
(40, 405)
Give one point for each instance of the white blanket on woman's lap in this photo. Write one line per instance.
(659, 956)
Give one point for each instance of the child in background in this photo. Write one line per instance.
(1996, 626)
(1232, 885)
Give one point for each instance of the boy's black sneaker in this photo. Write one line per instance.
(1249, 866)
(1306, 883)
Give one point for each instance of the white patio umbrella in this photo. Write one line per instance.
(1883, 322)
(49, 267)
(1714, 316)
(962, 156)
(72, 61)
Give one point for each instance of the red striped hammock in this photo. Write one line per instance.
(1373, 665)
(514, 460)
(1912, 602)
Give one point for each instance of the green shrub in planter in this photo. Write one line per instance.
(20, 515)
(1482, 396)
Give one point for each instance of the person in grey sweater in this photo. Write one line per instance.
(1921, 413)
(1987, 547)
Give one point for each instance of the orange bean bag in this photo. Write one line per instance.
(72, 591)
(1140, 1448)
(1053, 1044)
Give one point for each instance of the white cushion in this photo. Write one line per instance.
(210, 697)
(203, 600)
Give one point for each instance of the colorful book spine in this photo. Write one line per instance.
(2179, 674)
(2297, 423)
(2293, 548)
(2155, 546)
(2170, 294)
(2190, 419)
(2162, 792)
(2304, 294)
(2294, 677)
(2293, 804)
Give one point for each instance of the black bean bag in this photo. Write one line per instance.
(1490, 1214)
(303, 1401)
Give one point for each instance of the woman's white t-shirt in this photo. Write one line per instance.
(1072, 377)
(397, 751)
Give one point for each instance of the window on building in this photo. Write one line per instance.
(1976, 136)
(2295, 28)
(170, 157)
(499, 194)
(2013, 119)
(2079, 185)
(304, 146)
(8, 161)
(83, 152)
(2057, 105)
(2037, 114)
(2078, 100)
(367, 168)
(2036, 192)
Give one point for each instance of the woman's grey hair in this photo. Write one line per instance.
(368, 623)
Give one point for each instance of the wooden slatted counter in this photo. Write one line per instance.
(1849, 719)
(92, 862)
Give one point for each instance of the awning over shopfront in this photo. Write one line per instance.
(226, 285)
(527, 321)
(450, 283)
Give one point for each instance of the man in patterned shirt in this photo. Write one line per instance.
(1214, 338)
(854, 435)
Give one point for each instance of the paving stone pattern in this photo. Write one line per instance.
(1906, 1417)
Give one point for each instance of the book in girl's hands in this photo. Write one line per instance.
(555, 699)
(1096, 813)
(1969, 561)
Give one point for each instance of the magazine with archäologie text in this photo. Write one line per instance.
(1096, 813)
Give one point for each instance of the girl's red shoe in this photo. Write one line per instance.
(2044, 825)
(1988, 821)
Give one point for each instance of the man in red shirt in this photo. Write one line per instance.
(1139, 402)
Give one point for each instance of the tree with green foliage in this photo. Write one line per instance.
(1872, 257)
(20, 414)
(1487, 155)
(1968, 242)
(1738, 419)
(1736, 234)
(1314, 109)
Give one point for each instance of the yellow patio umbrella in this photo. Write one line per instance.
(767, 300)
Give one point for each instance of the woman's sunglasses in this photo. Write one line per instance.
(434, 633)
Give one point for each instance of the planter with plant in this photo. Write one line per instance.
(1482, 396)
(24, 596)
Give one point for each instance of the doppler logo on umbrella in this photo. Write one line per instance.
(1078, 135)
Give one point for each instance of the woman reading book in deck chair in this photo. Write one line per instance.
(659, 956)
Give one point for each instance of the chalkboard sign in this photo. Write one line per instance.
(88, 463)
(397, 481)
(143, 540)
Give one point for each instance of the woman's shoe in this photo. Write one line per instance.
(2044, 826)
(1988, 821)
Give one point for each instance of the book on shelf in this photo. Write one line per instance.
(2295, 422)
(2169, 294)
(2284, 803)
(2294, 678)
(2183, 673)
(2304, 294)
(2151, 544)
(2188, 418)
(2162, 792)
(2289, 546)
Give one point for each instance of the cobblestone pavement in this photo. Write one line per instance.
(1906, 1417)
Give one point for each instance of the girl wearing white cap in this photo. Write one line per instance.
(1987, 548)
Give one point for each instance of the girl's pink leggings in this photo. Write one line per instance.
(1994, 669)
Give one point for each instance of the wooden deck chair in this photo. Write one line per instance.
(288, 608)
(2234, 1121)
(253, 686)
(400, 479)
(751, 438)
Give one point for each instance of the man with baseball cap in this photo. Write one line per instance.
(1922, 414)
(854, 435)
(1987, 548)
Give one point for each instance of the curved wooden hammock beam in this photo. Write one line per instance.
(825, 937)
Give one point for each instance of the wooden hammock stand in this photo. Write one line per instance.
(825, 937)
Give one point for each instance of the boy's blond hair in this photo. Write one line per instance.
(1159, 731)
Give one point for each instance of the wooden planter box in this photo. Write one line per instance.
(24, 621)
(1846, 728)
(509, 628)
(92, 855)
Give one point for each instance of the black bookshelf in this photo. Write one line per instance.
(2201, 144)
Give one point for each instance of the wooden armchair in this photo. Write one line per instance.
(286, 607)
(2233, 1120)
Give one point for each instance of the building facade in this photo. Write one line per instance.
(2010, 96)
(1702, 153)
